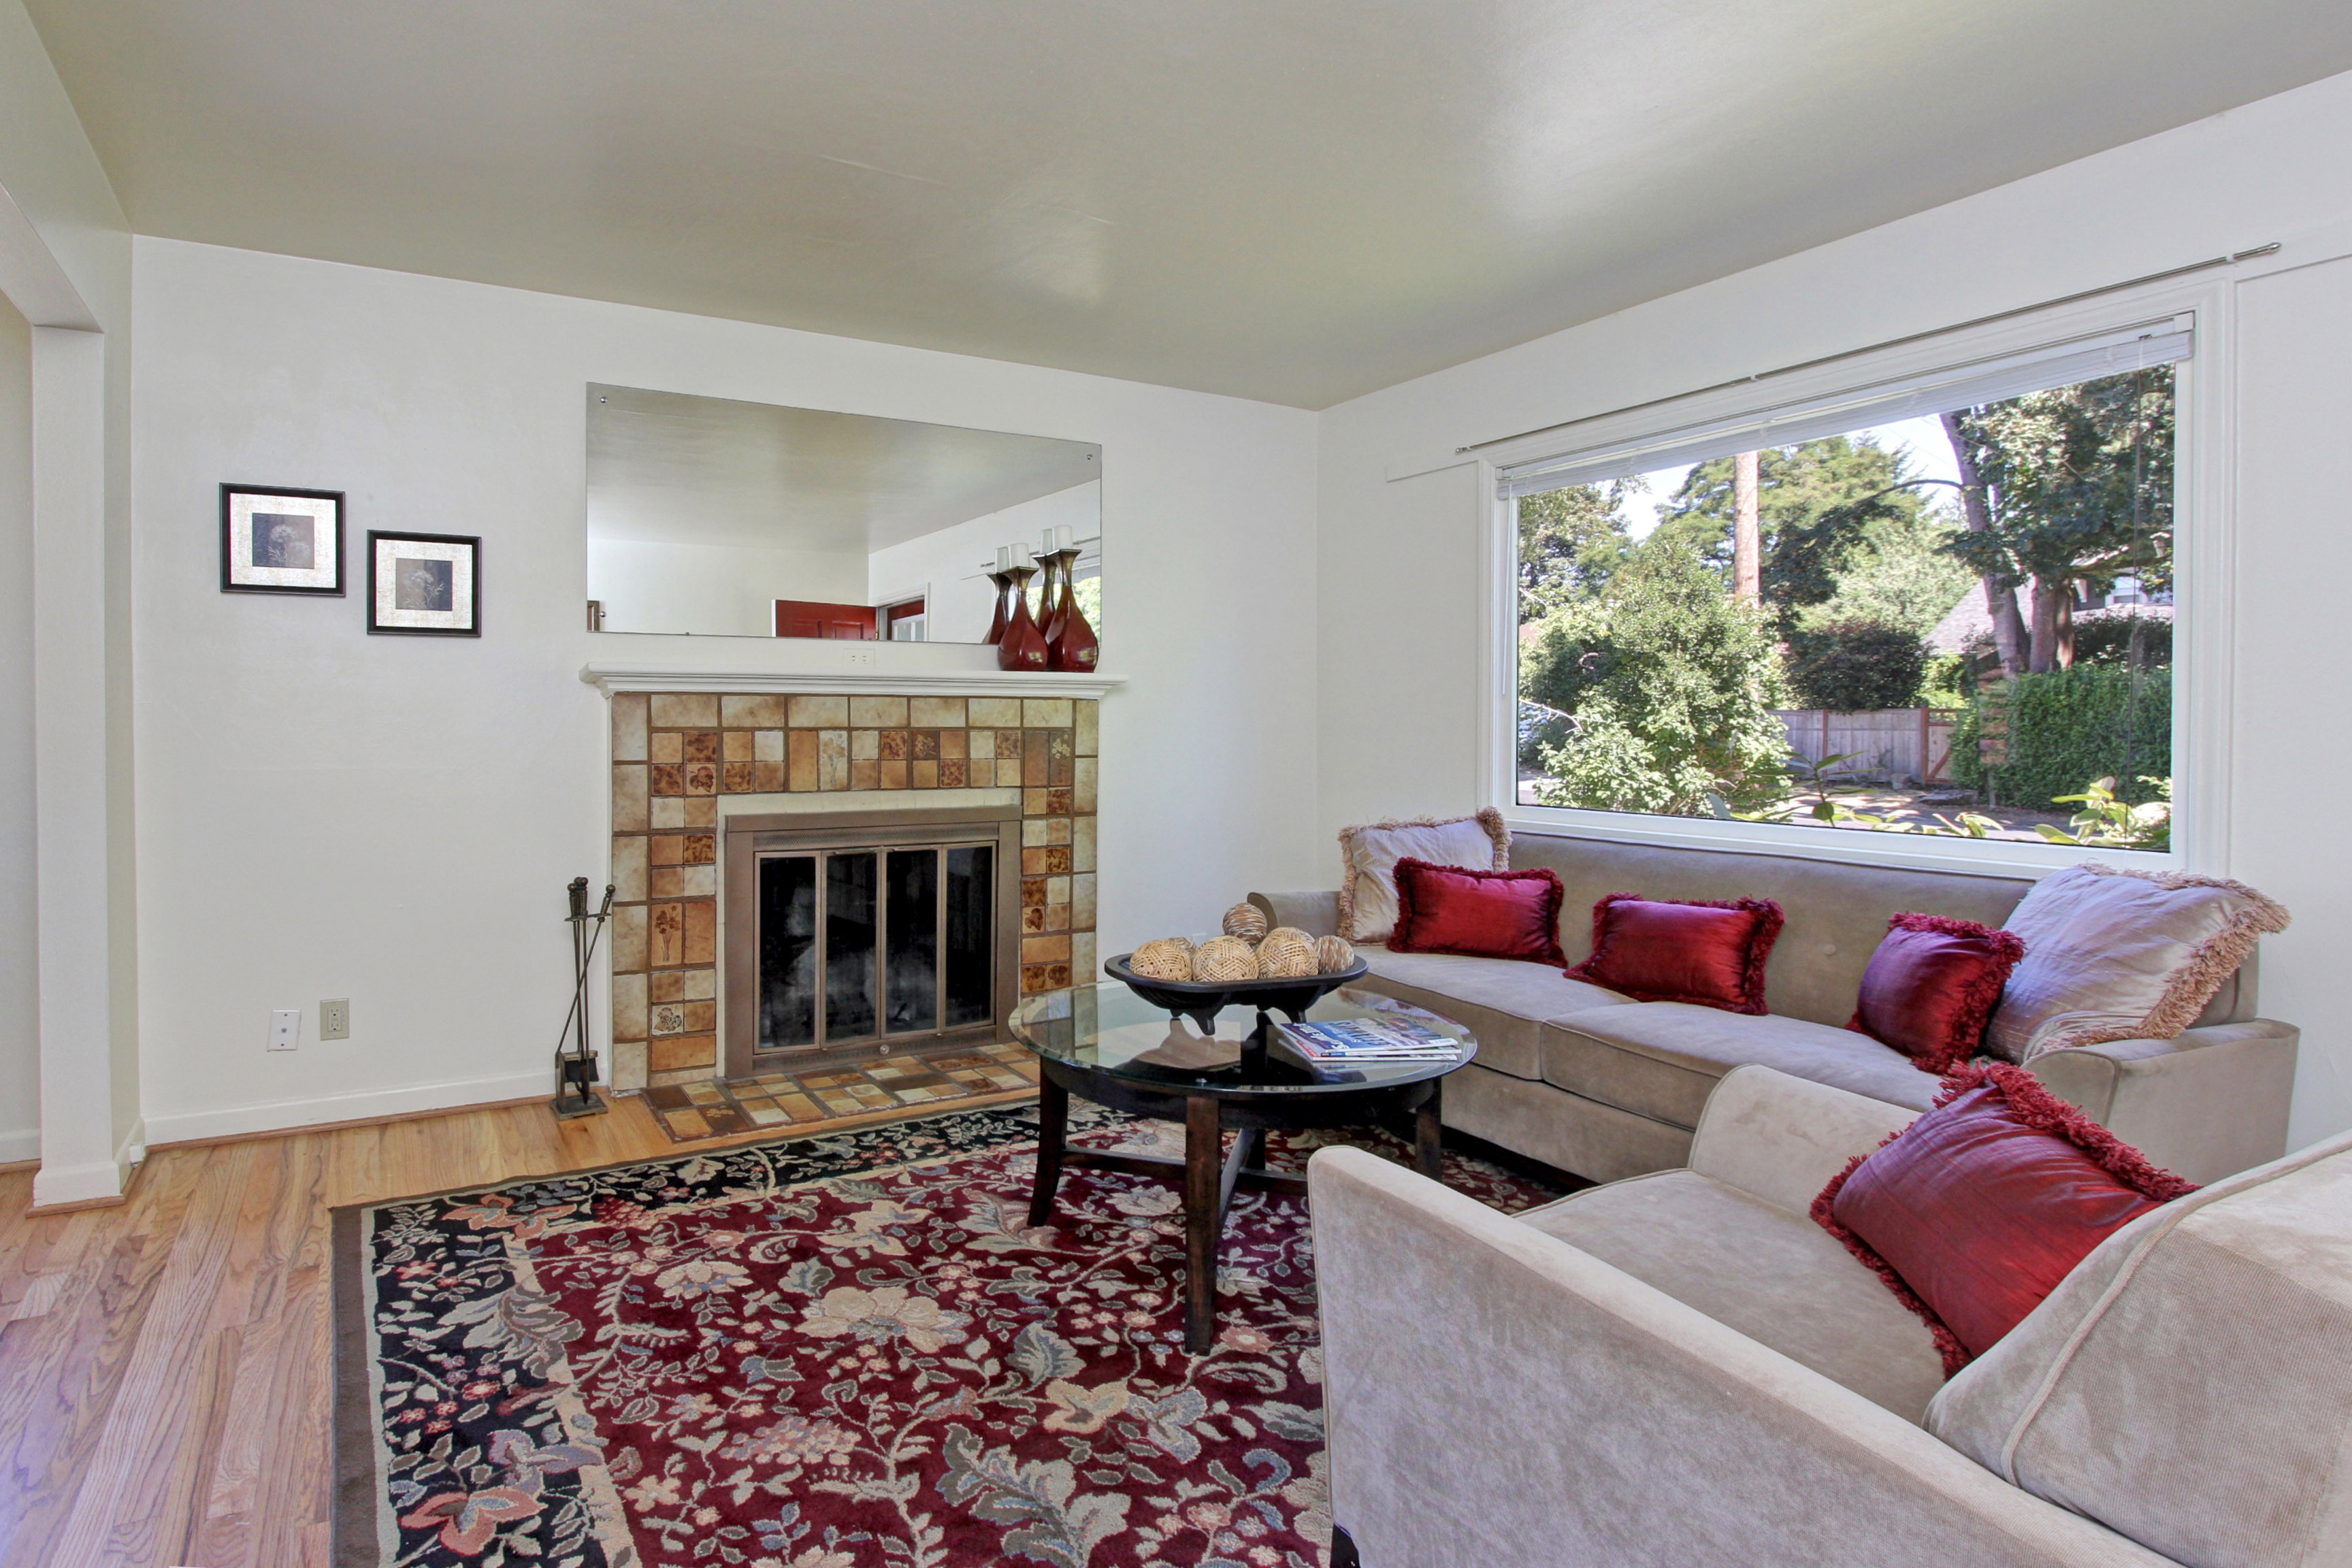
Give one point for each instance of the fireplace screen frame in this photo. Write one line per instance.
(750, 838)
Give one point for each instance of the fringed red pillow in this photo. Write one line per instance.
(1668, 950)
(1976, 1211)
(1480, 914)
(1932, 985)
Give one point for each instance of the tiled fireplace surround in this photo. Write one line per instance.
(682, 760)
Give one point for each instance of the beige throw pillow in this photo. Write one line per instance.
(1368, 857)
(2122, 955)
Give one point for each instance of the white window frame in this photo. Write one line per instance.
(2204, 534)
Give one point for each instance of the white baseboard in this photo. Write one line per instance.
(15, 1147)
(55, 1184)
(276, 1115)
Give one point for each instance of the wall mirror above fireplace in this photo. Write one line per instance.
(717, 518)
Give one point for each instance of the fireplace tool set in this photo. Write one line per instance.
(575, 1055)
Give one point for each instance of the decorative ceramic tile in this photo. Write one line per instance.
(665, 811)
(665, 746)
(629, 727)
(878, 713)
(1086, 726)
(628, 1007)
(629, 868)
(629, 798)
(752, 713)
(683, 984)
(1046, 713)
(820, 713)
(700, 745)
(864, 745)
(992, 713)
(938, 712)
(685, 710)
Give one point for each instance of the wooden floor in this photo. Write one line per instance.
(164, 1376)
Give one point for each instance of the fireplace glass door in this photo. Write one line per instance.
(880, 946)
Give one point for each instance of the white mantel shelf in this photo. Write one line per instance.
(611, 677)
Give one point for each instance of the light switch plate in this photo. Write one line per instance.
(335, 1019)
(285, 1028)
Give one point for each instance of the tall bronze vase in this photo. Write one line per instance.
(1070, 642)
(1004, 581)
(1023, 646)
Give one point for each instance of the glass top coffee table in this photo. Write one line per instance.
(1112, 1048)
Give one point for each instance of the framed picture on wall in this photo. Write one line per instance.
(424, 584)
(277, 541)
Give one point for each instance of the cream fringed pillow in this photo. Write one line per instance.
(2122, 955)
(1368, 857)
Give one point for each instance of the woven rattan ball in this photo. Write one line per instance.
(1170, 958)
(1332, 955)
(1224, 958)
(1247, 921)
(1286, 952)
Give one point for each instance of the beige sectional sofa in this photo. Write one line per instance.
(1683, 1370)
(1591, 1082)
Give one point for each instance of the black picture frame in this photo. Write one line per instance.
(472, 546)
(229, 567)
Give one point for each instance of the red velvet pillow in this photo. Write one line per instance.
(1976, 1211)
(1932, 987)
(1656, 950)
(1480, 914)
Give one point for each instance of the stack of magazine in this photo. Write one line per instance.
(1353, 1040)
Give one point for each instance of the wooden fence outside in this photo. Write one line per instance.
(1892, 744)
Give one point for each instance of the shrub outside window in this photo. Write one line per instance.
(1947, 611)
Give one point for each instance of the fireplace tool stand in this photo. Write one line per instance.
(575, 1056)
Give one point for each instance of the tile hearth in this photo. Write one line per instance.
(710, 1109)
(683, 760)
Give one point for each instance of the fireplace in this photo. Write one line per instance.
(851, 934)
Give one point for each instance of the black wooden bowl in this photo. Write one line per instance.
(1203, 999)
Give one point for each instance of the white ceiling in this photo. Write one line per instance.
(1297, 200)
(666, 468)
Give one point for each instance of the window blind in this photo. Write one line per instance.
(1959, 386)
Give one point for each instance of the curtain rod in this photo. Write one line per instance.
(2233, 258)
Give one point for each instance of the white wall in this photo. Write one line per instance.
(20, 1042)
(963, 600)
(1400, 571)
(326, 813)
(713, 590)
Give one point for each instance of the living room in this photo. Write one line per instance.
(1315, 403)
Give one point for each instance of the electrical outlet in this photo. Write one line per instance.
(862, 658)
(285, 1028)
(335, 1019)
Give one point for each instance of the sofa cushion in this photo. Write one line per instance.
(1369, 854)
(1477, 914)
(2113, 954)
(1710, 951)
(1501, 999)
(2189, 1384)
(1931, 987)
(1773, 1276)
(1661, 1059)
(1974, 1212)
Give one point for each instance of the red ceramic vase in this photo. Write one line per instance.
(1023, 646)
(1004, 581)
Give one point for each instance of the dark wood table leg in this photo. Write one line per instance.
(1203, 1176)
(1428, 1142)
(1053, 1124)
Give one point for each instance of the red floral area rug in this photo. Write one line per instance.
(840, 1352)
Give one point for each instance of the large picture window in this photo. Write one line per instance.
(1948, 612)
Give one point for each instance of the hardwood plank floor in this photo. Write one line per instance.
(164, 1367)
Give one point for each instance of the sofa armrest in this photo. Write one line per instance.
(1498, 1397)
(1316, 914)
(2207, 1103)
(1783, 1138)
